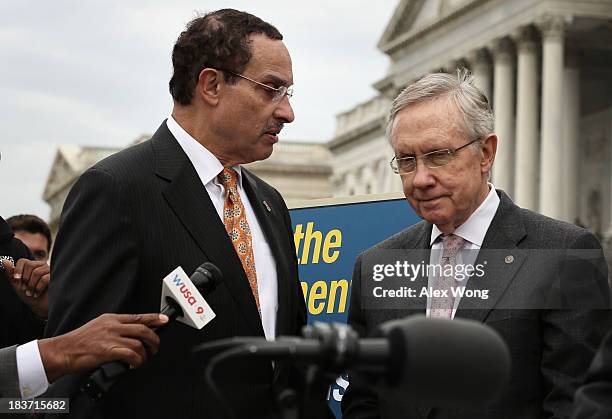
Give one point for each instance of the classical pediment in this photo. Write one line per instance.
(412, 15)
(69, 162)
(402, 19)
(63, 168)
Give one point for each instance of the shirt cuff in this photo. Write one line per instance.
(32, 377)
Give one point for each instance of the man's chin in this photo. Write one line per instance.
(266, 152)
(435, 217)
(262, 153)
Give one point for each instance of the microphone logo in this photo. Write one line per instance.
(196, 311)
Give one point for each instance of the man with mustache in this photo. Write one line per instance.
(181, 199)
(545, 280)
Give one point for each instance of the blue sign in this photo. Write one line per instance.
(328, 239)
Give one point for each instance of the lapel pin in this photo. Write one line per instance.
(509, 259)
(267, 206)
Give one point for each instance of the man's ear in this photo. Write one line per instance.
(489, 148)
(209, 85)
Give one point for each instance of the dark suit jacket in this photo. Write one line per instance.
(9, 379)
(593, 400)
(550, 347)
(128, 222)
(17, 323)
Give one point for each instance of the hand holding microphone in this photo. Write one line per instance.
(104, 339)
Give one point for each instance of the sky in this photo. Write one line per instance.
(96, 73)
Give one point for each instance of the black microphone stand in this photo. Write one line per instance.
(340, 344)
(334, 345)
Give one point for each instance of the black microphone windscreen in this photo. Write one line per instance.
(212, 268)
(446, 363)
(206, 276)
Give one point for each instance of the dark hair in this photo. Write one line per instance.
(30, 224)
(219, 40)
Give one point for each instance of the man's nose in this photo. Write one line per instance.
(284, 111)
(422, 176)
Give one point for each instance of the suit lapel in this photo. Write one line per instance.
(417, 244)
(501, 258)
(188, 199)
(270, 219)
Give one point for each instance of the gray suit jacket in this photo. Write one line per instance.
(546, 308)
(9, 380)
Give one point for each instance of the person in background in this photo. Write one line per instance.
(34, 233)
(23, 293)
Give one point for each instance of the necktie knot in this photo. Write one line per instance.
(451, 244)
(229, 179)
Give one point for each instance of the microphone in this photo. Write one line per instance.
(439, 362)
(430, 361)
(181, 301)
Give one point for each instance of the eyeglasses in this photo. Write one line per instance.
(433, 159)
(277, 92)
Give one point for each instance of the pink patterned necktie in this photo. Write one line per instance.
(234, 218)
(442, 306)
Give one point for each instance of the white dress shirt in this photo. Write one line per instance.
(30, 370)
(473, 231)
(208, 168)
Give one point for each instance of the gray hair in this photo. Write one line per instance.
(461, 93)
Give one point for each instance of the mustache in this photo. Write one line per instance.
(274, 127)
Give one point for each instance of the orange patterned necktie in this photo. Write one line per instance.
(234, 218)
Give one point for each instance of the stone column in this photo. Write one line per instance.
(503, 108)
(359, 185)
(527, 113)
(349, 183)
(391, 181)
(552, 28)
(368, 180)
(380, 171)
(480, 62)
(571, 132)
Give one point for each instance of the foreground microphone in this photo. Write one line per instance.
(427, 361)
(438, 362)
(181, 301)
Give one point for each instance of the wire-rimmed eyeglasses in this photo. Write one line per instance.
(277, 92)
(433, 159)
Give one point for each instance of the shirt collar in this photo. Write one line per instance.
(475, 227)
(206, 164)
